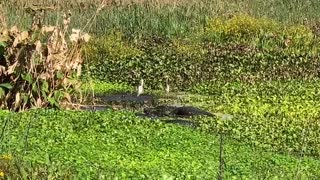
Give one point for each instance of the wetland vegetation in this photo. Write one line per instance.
(69, 104)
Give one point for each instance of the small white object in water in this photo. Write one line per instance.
(140, 88)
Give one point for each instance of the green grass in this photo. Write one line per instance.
(167, 18)
(100, 87)
(294, 98)
(282, 116)
(84, 145)
(279, 116)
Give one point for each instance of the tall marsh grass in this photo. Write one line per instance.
(170, 18)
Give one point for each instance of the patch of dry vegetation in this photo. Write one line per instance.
(38, 66)
(108, 2)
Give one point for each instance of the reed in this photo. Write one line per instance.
(170, 18)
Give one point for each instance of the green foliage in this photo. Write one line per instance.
(2, 48)
(240, 28)
(151, 58)
(107, 55)
(262, 34)
(280, 116)
(100, 87)
(93, 145)
(238, 49)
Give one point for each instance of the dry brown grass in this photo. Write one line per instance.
(84, 3)
(3, 21)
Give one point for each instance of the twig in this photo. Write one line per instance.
(94, 16)
(222, 163)
(27, 134)
(221, 160)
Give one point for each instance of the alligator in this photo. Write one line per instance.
(184, 111)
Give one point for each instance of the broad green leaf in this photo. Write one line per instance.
(59, 75)
(58, 95)
(45, 86)
(6, 85)
(27, 77)
(2, 93)
(52, 101)
(3, 44)
(34, 87)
